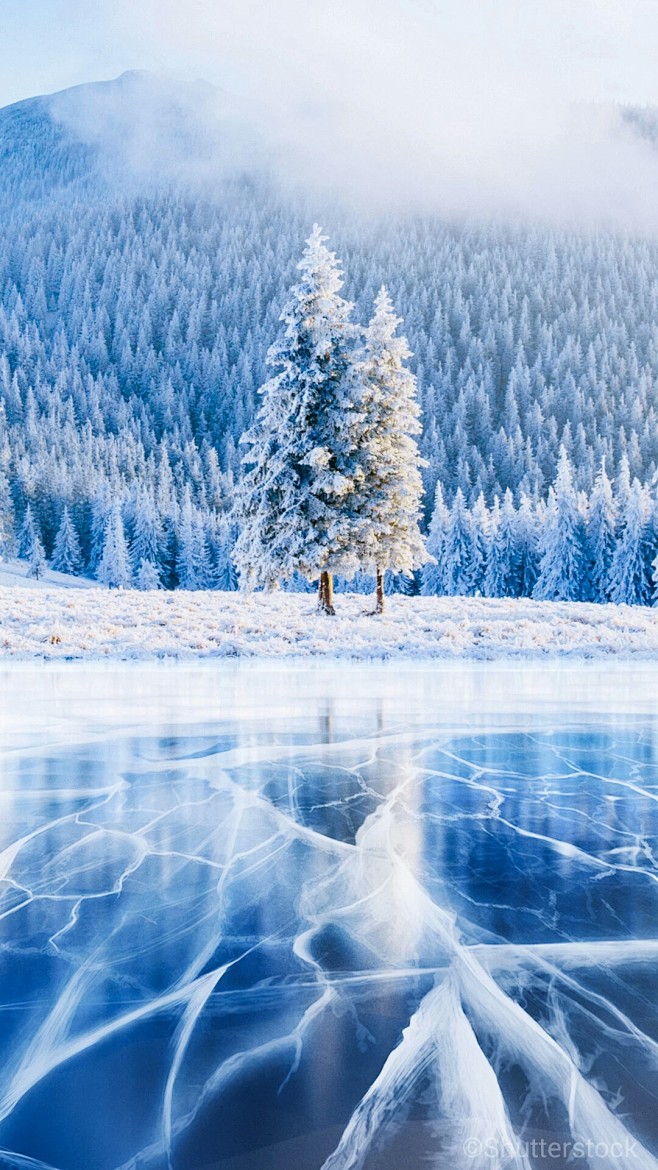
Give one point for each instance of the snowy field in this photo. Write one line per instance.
(93, 623)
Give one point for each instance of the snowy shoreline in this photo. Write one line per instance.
(100, 625)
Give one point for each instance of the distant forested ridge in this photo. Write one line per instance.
(135, 319)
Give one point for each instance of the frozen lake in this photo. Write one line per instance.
(350, 917)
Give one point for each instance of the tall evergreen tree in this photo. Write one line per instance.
(67, 557)
(6, 518)
(36, 558)
(562, 562)
(433, 573)
(481, 524)
(460, 564)
(493, 580)
(528, 545)
(114, 569)
(225, 573)
(504, 562)
(622, 490)
(28, 534)
(388, 536)
(631, 571)
(193, 567)
(100, 511)
(295, 504)
(146, 531)
(509, 522)
(147, 577)
(601, 535)
(654, 580)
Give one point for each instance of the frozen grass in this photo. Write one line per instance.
(93, 623)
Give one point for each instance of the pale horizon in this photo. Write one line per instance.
(589, 50)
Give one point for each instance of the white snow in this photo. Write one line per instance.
(14, 572)
(95, 623)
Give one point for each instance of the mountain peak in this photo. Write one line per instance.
(141, 124)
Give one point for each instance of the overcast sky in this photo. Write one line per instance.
(477, 106)
(594, 50)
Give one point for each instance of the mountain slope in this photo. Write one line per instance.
(120, 133)
(39, 154)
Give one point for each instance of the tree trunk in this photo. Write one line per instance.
(326, 594)
(379, 606)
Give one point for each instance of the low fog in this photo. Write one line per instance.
(460, 107)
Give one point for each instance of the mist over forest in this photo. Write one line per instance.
(150, 232)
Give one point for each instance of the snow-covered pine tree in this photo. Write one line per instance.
(654, 561)
(622, 490)
(630, 570)
(114, 569)
(601, 533)
(169, 549)
(28, 534)
(562, 554)
(67, 557)
(295, 503)
(460, 565)
(494, 576)
(36, 559)
(389, 513)
(6, 517)
(527, 529)
(148, 576)
(100, 511)
(433, 574)
(654, 580)
(511, 530)
(146, 532)
(193, 567)
(481, 524)
(225, 573)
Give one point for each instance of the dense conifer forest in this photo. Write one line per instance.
(134, 323)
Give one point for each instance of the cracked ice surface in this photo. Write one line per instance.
(272, 917)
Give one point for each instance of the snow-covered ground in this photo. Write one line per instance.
(14, 572)
(96, 623)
